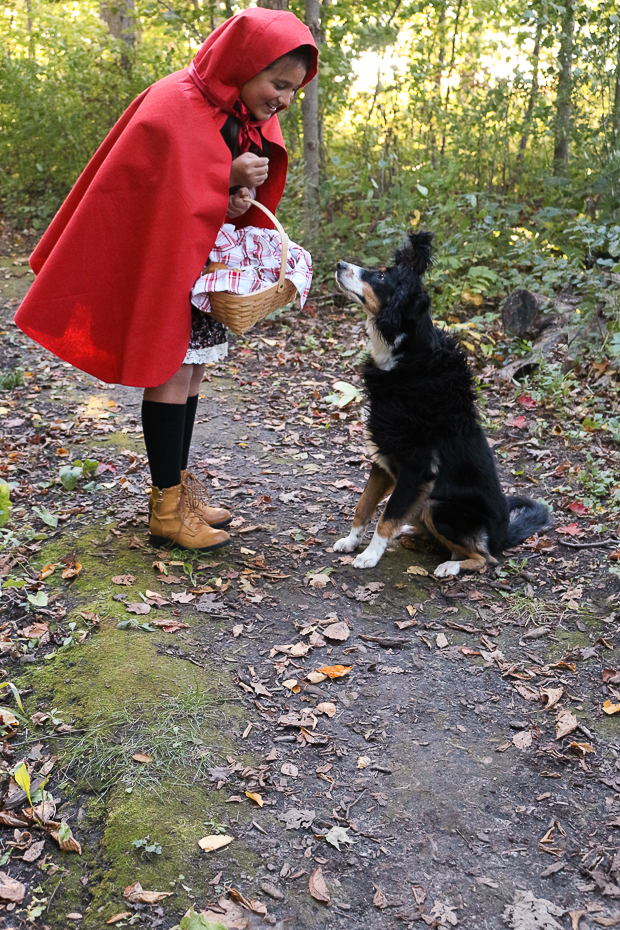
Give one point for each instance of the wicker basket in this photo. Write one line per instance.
(240, 312)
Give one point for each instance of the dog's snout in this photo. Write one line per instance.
(341, 265)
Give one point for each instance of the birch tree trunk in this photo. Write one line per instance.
(310, 114)
(531, 103)
(564, 93)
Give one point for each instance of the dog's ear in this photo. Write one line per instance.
(417, 253)
(409, 301)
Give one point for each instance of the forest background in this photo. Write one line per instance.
(496, 125)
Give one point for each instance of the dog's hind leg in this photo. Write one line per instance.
(378, 486)
(405, 500)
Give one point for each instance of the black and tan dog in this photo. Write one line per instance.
(428, 449)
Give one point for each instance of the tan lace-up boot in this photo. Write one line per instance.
(198, 500)
(173, 521)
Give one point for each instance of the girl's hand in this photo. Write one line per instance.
(237, 205)
(249, 170)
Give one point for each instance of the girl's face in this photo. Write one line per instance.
(273, 89)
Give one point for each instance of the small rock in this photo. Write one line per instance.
(272, 891)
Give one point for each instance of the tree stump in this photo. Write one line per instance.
(521, 313)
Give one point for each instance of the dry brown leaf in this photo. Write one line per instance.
(11, 889)
(72, 571)
(213, 842)
(327, 708)
(609, 708)
(69, 844)
(337, 631)
(363, 762)
(551, 696)
(46, 571)
(9, 720)
(122, 916)
(379, 900)
(169, 626)
(33, 853)
(565, 724)
(522, 740)
(317, 886)
(123, 579)
(35, 630)
(288, 768)
(136, 894)
(253, 796)
(581, 749)
(315, 678)
(335, 671)
(442, 641)
(141, 757)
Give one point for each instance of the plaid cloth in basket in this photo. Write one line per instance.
(253, 258)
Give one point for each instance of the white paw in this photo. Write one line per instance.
(346, 544)
(367, 558)
(447, 569)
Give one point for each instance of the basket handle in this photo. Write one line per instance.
(283, 237)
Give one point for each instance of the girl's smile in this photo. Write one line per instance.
(273, 89)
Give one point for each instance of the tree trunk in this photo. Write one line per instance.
(118, 15)
(450, 73)
(564, 93)
(273, 4)
(615, 113)
(531, 103)
(310, 114)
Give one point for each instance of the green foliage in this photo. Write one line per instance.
(5, 503)
(147, 846)
(69, 474)
(11, 379)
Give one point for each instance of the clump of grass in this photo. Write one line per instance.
(525, 609)
(175, 732)
(11, 378)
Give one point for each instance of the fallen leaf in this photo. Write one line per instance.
(315, 678)
(581, 748)
(520, 422)
(522, 740)
(335, 671)
(416, 570)
(319, 580)
(294, 818)
(72, 571)
(169, 626)
(338, 835)
(122, 916)
(379, 899)
(551, 696)
(35, 630)
(11, 889)
(571, 530)
(578, 507)
(526, 401)
(135, 894)
(609, 708)
(8, 720)
(529, 913)
(566, 723)
(213, 842)
(123, 579)
(444, 914)
(363, 762)
(34, 851)
(139, 608)
(46, 571)
(327, 708)
(289, 769)
(337, 631)
(141, 757)
(237, 629)
(253, 796)
(441, 641)
(317, 886)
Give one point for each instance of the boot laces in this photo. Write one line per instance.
(196, 493)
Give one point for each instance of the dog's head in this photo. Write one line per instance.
(395, 297)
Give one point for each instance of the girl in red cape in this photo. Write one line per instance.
(115, 267)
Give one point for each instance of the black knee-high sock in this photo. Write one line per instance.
(164, 425)
(190, 416)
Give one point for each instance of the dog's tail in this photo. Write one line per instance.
(417, 252)
(526, 518)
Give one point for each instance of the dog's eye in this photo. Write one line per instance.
(381, 276)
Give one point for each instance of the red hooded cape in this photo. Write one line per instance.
(115, 266)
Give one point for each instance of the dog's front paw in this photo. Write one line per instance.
(447, 569)
(347, 544)
(366, 559)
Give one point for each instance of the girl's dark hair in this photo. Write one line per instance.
(302, 55)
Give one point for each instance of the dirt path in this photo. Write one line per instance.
(433, 762)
